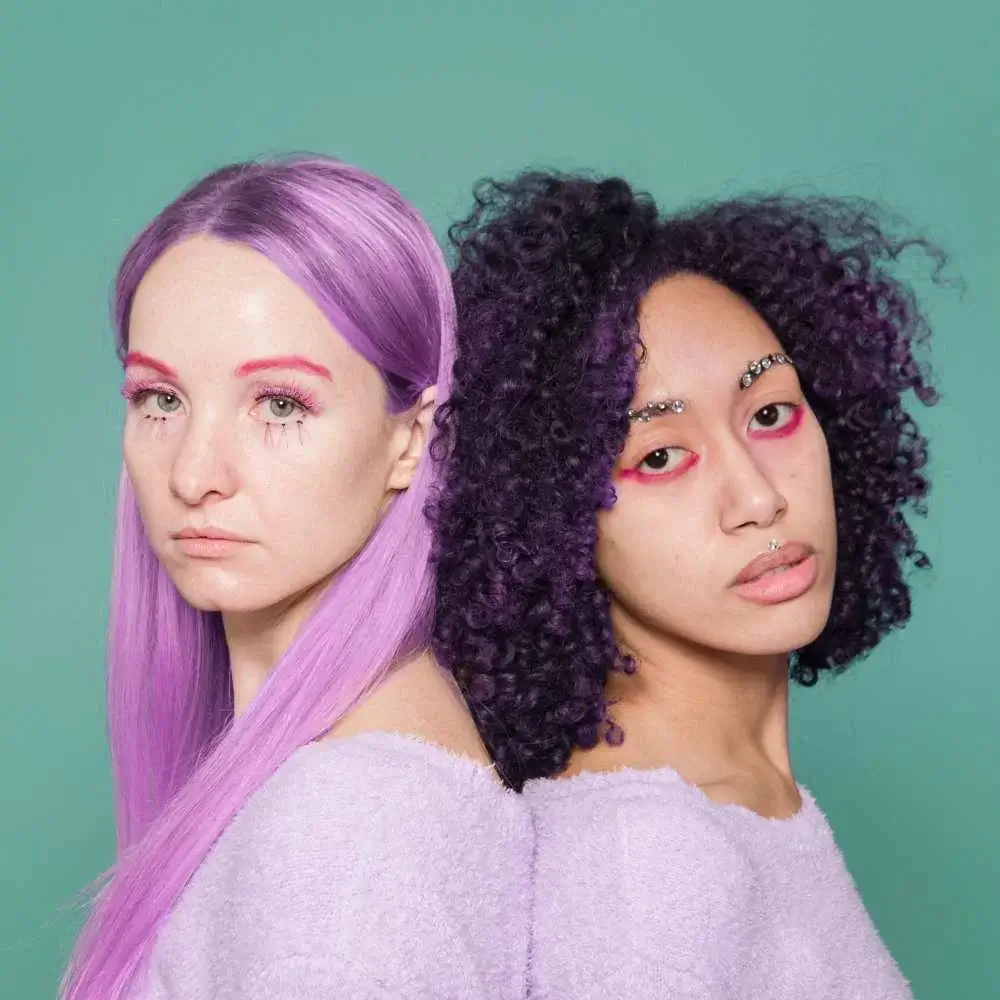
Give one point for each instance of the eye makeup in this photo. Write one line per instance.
(637, 475)
(295, 361)
(307, 401)
(755, 369)
(795, 417)
(135, 389)
(658, 408)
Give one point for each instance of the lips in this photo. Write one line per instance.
(219, 534)
(773, 562)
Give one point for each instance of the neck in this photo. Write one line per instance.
(258, 639)
(704, 710)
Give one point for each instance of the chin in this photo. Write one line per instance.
(782, 634)
(227, 593)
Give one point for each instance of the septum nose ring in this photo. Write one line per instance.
(773, 545)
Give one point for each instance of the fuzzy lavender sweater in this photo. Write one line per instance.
(372, 867)
(647, 890)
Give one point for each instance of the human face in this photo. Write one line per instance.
(256, 440)
(700, 494)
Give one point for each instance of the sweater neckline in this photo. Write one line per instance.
(804, 827)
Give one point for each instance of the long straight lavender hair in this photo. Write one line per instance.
(183, 766)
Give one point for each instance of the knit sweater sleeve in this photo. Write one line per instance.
(376, 867)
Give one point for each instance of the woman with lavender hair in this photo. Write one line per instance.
(679, 468)
(304, 806)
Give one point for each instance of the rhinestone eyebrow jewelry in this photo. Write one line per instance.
(657, 409)
(755, 369)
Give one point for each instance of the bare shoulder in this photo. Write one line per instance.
(420, 700)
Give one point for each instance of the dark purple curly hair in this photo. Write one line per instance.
(549, 276)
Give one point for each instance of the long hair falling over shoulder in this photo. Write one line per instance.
(182, 765)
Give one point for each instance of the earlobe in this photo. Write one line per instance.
(416, 426)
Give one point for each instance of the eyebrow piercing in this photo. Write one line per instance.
(657, 409)
(755, 369)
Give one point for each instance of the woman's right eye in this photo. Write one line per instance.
(167, 401)
(661, 461)
(152, 402)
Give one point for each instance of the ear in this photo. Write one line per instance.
(411, 439)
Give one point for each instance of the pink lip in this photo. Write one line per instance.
(218, 533)
(756, 583)
(208, 543)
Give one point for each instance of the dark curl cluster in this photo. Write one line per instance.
(550, 273)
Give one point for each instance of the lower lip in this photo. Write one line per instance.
(776, 588)
(209, 548)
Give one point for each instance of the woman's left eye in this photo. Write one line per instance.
(278, 407)
(282, 407)
(773, 417)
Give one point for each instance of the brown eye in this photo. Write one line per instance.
(657, 460)
(767, 416)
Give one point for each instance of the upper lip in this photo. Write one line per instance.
(209, 532)
(787, 555)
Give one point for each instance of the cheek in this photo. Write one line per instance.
(650, 555)
(807, 476)
(147, 454)
(321, 499)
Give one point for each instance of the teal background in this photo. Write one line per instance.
(109, 108)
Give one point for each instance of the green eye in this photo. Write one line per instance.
(168, 402)
(282, 407)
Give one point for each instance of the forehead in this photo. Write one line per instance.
(698, 337)
(204, 297)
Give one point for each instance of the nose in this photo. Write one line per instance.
(202, 469)
(750, 497)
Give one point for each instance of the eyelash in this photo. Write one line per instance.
(635, 473)
(639, 476)
(137, 391)
(789, 428)
(305, 401)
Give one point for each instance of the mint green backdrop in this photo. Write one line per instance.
(110, 107)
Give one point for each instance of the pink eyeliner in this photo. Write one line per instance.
(782, 432)
(637, 476)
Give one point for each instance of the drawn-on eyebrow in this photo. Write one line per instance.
(139, 359)
(295, 361)
(658, 408)
(755, 369)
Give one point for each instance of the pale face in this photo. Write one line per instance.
(249, 417)
(703, 492)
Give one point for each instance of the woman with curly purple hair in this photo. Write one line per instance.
(678, 475)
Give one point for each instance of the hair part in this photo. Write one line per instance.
(550, 273)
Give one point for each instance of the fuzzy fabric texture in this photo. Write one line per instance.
(373, 867)
(647, 889)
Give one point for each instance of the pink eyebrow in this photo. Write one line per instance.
(139, 359)
(285, 361)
